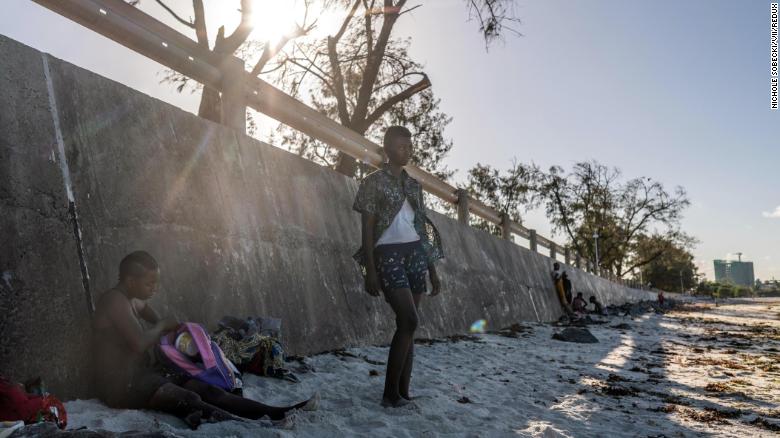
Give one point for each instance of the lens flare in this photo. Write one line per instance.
(478, 326)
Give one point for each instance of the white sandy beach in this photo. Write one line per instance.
(701, 371)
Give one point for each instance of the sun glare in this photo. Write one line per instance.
(272, 19)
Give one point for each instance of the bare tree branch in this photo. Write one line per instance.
(175, 15)
(367, 23)
(409, 10)
(391, 13)
(346, 21)
(200, 24)
(403, 95)
(313, 63)
(269, 52)
(335, 66)
(494, 17)
(338, 82)
(241, 33)
(308, 69)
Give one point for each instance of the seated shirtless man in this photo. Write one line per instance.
(127, 375)
(579, 304)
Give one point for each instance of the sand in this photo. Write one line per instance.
(698, 371)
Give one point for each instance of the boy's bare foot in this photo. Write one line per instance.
(387, 403)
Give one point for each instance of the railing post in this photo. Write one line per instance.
(506, 227)
(463, 206)
(553, 251)
(578, 261)
(532, 240)
(233, 99)
(567, 255)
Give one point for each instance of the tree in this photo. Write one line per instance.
(510, 193)
(363, 78)
(724, 291)
(592, 199)
(671, 265)
(225, 46)
(742, 291)
(390, 104)
(363, 75)
(495, 17)
(637, 220)
(705, 288)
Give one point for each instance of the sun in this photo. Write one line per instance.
(272, 19)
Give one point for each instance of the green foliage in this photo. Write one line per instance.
(420, 114)
(724, 291)
(366, 83)
(594, 198)
(671, 269)
(637, 220)
(705, 288)
(770, 288)
(507, 193)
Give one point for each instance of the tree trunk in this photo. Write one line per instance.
(345, 164)
(210, 104)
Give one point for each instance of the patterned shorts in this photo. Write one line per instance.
(401, 266)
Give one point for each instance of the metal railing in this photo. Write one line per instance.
(147, 36)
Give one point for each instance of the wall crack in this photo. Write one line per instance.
(67, 183)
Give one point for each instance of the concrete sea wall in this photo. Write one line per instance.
(239, 227)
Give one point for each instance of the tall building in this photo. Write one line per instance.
(736, 272)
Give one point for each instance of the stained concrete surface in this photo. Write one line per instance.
(239, 227)
(42, 303)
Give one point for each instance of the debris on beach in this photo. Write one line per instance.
(578, 335)
(521, 384)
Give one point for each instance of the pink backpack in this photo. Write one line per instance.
(210, 365)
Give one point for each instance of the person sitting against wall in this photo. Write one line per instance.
(399, 248)
(579, 305)
(127, 373)
(598, 309)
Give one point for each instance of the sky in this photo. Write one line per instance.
(675, 91)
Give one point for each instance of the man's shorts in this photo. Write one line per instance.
(401, 266)
(145, 382)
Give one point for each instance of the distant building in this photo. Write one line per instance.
(736, 272)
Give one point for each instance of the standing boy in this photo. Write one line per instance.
(567, 287)
(557, 276)
(399, 246)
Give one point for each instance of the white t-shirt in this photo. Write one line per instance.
(401, 230)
